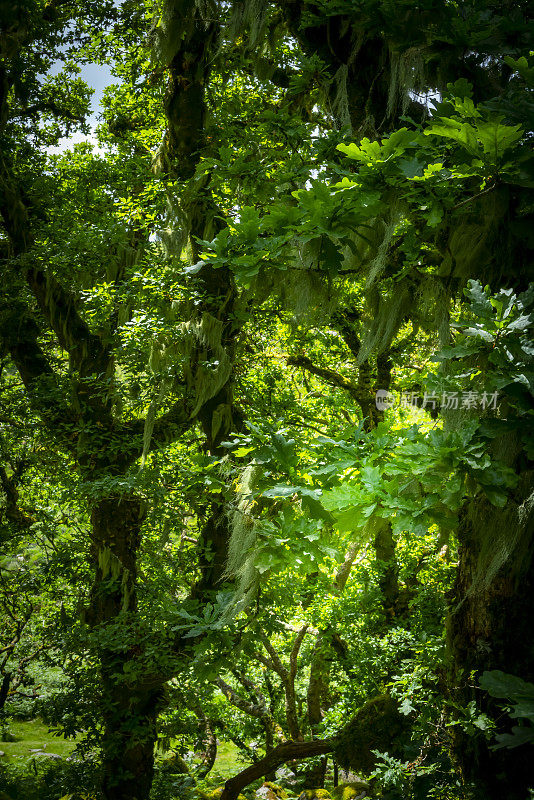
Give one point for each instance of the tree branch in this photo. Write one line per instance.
(275, 658)
(265, 661)
(282, 753)
(49, 105)
(295, 652)
(328, 375)
(249, 686)
(343, 322)
(343, 571)
(18, 333)
(86, 350)
(239, 702)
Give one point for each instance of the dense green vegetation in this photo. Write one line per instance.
(267, 400)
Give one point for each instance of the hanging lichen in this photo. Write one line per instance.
(304, 289)
(387, 312)
(242, 545)
(169, 27)
(406, 76)
(175, 235)
(336, 94)
(432, 302)
(380, 261)
(340, 104)
(249, 18)
(308, 295)
(150, 419)
(206, 364)
(206, 367)
(109, 564)
(506, 534)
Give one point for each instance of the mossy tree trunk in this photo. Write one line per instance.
(82, 419)
(490, 627)
(385, 549)
(130, 697)
(190, 51)
(327, 645)
(317, 701)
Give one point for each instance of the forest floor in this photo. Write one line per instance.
(34, 735)
(31, 735)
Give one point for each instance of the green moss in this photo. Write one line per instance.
(214, 794)
(34, 735)
(377, 725)
(314, 794)
(346, 791)
(175, 764)
(276, 790)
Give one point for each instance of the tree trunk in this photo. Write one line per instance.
(291, 710)
(318, 685)
(269, 744)
(4, 690)
(131, 697)
(384, 544)
(326, 645)
(212, 553)
(284, 752)
(209, 753)
(490, 627)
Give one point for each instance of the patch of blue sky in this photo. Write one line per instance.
(98, 77)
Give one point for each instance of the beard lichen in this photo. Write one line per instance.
(242, 548)
(387, 312)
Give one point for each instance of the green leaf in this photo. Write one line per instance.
(280, 491)
(518, 737)
(406, 707)
(522, 323)
(194, 269)
(496, 138)
(435, 216)
(462, 133)
(480, 299)
(501, 684)
(248, 226)
(411, 167)
(313, 506)
(524, 709)
(460, 88)
(331, 257)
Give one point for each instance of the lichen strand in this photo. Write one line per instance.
(481, 244)
(207, 365)
(242, 544)
(387, 312)
(184, 43)
(116, 524)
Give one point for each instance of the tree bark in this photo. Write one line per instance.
(326, 645)
(384, 545)
(4, 690)
(131, 698)
(277, 757)
(316, 698)
(490, 627)
(209, 742)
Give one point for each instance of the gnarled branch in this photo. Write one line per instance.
(282, 753)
